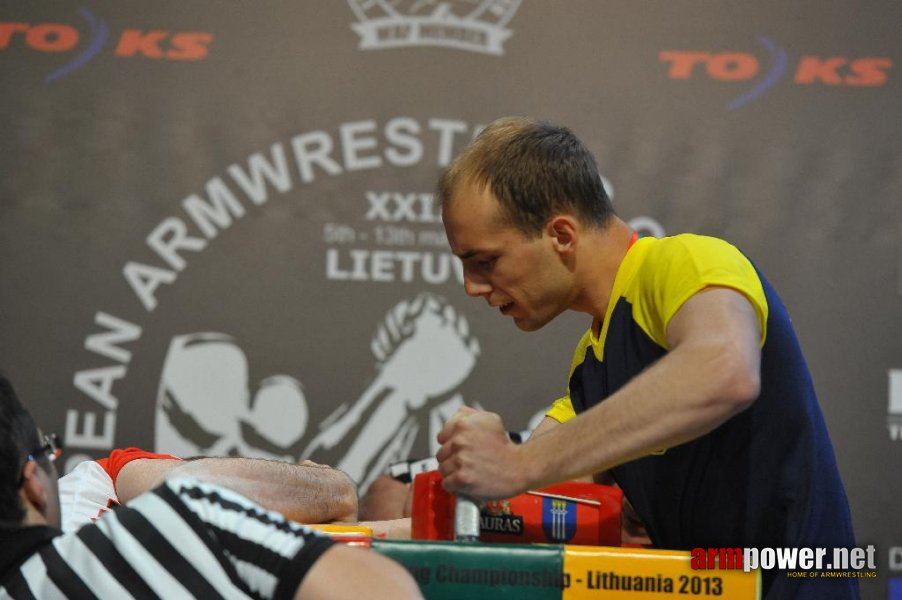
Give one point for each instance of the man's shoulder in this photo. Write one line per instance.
(689, 255)
(683, 244)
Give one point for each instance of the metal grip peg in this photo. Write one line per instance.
(466, 520)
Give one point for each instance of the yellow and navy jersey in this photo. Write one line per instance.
(765, 478)
(654, 280)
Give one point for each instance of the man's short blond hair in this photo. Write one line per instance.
(535, 169)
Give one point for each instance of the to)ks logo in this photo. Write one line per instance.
(90, 40)
(735, 66)
(474, 25)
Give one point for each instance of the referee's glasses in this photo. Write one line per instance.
(52, 449)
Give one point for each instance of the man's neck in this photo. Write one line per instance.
(601, 255)
(33, 516)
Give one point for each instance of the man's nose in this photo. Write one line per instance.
(476, 288)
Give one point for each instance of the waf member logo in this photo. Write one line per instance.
(91, 36)
(558, 519)
(497, 517)
(894, 418)
(763, 70)
(474, 25)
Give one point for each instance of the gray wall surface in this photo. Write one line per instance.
(218, 233)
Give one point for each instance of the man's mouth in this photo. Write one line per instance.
(505, 308)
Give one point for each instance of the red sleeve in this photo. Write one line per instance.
(120, 457)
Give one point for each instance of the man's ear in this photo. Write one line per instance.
(33, 489)
(563, 231)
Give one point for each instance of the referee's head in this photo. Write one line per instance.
(28, 486)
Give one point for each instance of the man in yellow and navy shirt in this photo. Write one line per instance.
(689, 387)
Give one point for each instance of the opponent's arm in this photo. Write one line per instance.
(308, 493)
(391, 529)
(711, 373)
(386, 499)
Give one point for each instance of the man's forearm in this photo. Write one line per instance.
(674, 401)
(302, 492)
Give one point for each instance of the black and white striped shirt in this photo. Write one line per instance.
(184, 539)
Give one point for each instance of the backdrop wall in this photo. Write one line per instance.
(218, 234)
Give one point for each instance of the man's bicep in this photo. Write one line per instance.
(716, 314)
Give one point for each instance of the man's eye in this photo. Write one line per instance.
(486, 263)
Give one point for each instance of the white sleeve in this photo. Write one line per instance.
(85, 493)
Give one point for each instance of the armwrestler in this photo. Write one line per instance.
(689, 383)
(306, 492)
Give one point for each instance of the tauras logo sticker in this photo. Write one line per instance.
(474, 25)
(423, 351)
(497, 517)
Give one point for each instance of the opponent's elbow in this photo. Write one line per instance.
(345, 511)
(347, 504)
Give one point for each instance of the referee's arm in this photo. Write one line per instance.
(344, 572)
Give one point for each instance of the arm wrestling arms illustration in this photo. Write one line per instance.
(424, 351)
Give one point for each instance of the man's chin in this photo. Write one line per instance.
(535, 321)
(526, 324)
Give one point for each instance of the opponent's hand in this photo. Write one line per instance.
(477, 458)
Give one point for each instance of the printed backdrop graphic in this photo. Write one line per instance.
(218, 238)
(423, 351)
